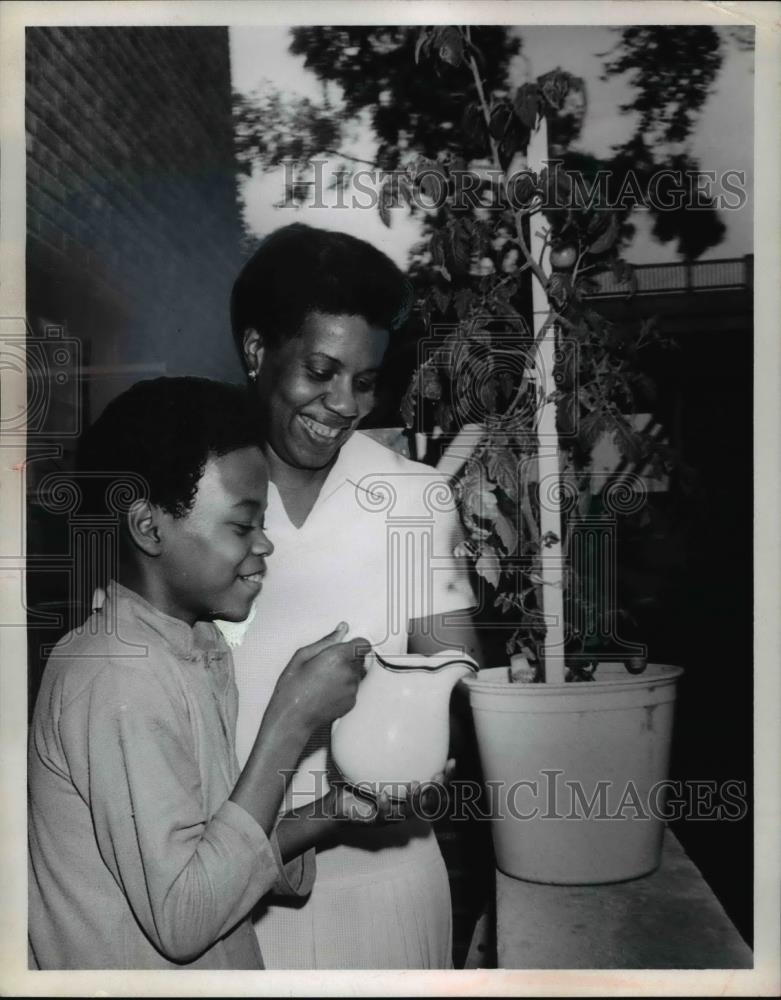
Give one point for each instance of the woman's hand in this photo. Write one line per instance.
(319, 822)
(422, 800)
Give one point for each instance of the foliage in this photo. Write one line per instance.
(671, 72)
(447, 122)
(375, 68)
(379, 71)
(666, 99)
(489, 359)
(270, 129)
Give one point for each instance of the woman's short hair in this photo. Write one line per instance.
(299, 269)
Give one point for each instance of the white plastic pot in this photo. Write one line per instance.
(575, 773)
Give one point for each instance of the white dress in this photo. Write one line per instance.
(375, 551)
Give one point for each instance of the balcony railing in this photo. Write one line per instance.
(657, 279)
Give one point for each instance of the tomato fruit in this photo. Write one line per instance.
(563, 257)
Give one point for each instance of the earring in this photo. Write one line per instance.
(252, 375)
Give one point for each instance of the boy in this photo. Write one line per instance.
(147, 847)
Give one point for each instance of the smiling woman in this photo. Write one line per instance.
(313, 315)
(317, 387)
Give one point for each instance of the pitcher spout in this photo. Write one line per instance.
(455, 669)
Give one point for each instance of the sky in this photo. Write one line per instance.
(722, 140)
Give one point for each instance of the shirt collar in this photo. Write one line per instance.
(187, 641)
(349, 467)
(352, 468)
(363, 464)
(343, 470)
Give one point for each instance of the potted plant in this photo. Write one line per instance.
(574, 735)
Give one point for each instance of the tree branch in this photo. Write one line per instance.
(348, 156)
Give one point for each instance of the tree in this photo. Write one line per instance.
(670, 72)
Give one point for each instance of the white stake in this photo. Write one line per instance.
(548, 464)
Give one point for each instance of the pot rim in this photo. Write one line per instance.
(668, 675)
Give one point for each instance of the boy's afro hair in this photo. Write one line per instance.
(160, 433)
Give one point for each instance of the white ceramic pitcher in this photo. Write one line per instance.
(399, 729)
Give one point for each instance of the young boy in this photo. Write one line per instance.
(147, 847)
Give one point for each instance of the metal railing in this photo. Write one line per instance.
(655, 279)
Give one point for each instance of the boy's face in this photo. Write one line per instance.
(213, 558)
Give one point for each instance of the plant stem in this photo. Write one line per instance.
(349, 156)
(536, 268)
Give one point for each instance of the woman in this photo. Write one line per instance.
(313, 312)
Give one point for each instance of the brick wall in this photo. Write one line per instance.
(133, 224)
(133, 243)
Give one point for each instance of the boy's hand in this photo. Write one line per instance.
(321, 681)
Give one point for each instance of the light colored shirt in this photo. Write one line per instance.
(375, 551)
(138, 859)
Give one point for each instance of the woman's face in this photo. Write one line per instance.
(317, 386)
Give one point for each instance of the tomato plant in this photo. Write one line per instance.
(481, 368)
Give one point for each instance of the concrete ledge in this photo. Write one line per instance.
(667, 920)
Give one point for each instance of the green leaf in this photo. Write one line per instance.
(385, 201)
(554, 87)
(450, 45)
(501, 118)
(563, 189)
(521, 189)
(507, 533)
(409, 401)
(622, 271)
(423, 40)
(433, 182)
(527, 102)
(445, 355)
(591, 427)
(558, 288)
(405, 191)
(490, 568)
(628, 441)
(462, 300)
(441, 298)
(444, 416)
(586, 286)
(508, 147)
(479, 496)
(607, 238)
(437, 249)
(430, 384)
(456, 244)
(473, 124)
(503, 309)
